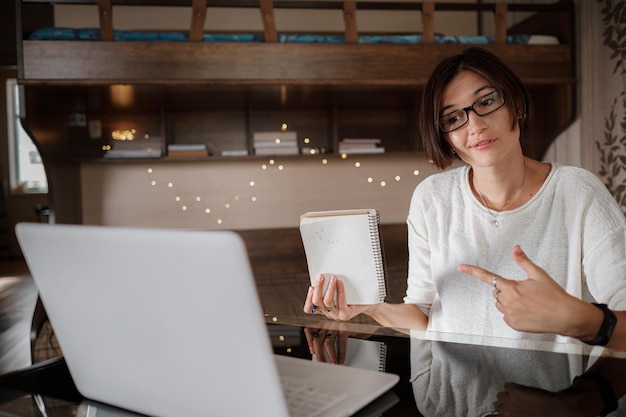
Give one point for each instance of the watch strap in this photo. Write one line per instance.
(607, 327)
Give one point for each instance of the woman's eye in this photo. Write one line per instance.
(452, 119)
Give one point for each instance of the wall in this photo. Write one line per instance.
(249, 19)
(124, 193)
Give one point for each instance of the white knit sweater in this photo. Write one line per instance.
(572, 228)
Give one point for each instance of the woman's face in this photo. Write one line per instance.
(483, 140)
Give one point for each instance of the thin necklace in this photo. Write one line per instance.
(494, 215)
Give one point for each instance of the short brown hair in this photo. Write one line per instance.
(488, 66)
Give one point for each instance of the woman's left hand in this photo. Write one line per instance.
(537, 304)
(522, 401)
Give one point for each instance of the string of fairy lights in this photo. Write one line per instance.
(186, 201)
(216, 212)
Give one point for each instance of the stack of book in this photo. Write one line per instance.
(187, 149)
(276, 143)
(355, 146)
(133, 153)
(234, 152)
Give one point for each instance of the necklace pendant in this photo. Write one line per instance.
(494, 223)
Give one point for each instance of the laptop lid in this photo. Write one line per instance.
(165, 322)
(161, 322)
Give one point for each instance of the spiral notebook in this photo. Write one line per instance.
(348, 244)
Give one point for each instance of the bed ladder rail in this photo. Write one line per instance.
(105, 14)
(198, 16)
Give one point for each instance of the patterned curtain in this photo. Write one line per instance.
(603, 103)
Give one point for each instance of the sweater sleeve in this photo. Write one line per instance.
(420, 287)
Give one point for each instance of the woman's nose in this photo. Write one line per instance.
(475, 123)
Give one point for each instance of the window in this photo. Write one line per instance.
(27, 173)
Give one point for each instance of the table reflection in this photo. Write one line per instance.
(454, 379)
(465, 375)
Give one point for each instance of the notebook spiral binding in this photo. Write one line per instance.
(379, 251)
(384, 355)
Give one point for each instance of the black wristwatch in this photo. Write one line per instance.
(606, 330)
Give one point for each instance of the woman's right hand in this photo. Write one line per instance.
(331, 304)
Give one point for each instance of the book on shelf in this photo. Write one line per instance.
(286, 142)
(362, 141)
(354, 146)
(175, 150)
(349, 150)
(348, 244)
(234, 152)
(277, 150)
(133, 153)
(187, 147)
(273, 137)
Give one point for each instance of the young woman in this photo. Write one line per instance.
(505, 245)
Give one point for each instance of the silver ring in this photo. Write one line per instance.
(495, 279)
(313, 308)
(497, 293)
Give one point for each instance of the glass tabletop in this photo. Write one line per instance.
(440, 374)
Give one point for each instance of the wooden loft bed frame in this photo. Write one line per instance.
(201, 62)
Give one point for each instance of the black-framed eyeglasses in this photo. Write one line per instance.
(485, 105)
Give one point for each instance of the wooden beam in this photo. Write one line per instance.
(428, 22)
(349, 19)
(105, 14)
(500, 22)
(198, 17)
(269, 23)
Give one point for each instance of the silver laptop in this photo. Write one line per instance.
(169, 323)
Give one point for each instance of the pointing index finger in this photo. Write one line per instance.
(482, 274)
